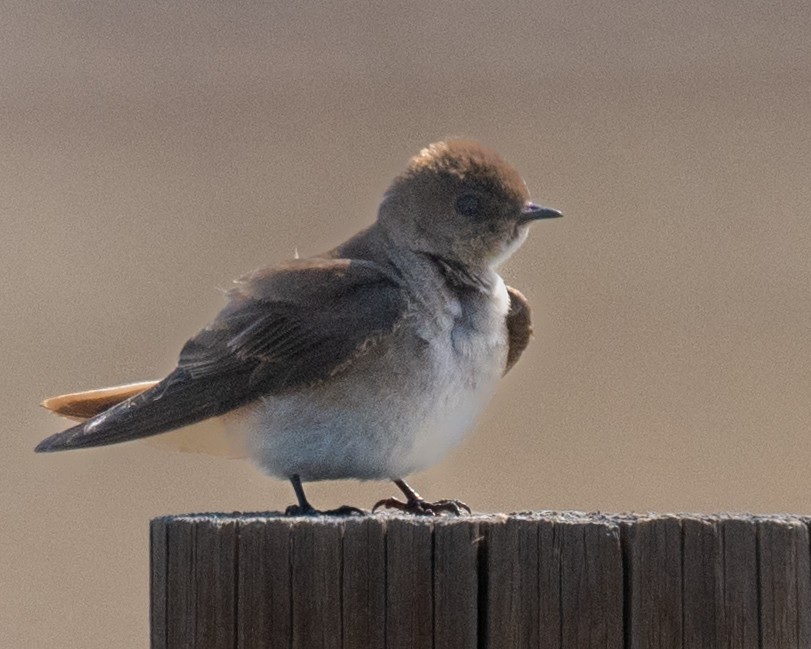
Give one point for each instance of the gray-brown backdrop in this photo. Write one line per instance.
(150, 154)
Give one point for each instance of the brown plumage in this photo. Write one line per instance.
(368, 361)
(519, 327)
(461, 160)
(84, 405)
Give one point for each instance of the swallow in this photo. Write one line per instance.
(370, 361)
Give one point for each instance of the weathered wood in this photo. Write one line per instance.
(720, 596)
(316, 585)
(409, 584)
(456, 584)
(785, 586)
(555, 581)
(738, 619)
(194, 582)
(526, 581)
(181, 586)
(591, 585)
(702, 582)
(215, 570)
(158, 583)
(264, 600)
(364, 588)
(653, 577)
(513, 583)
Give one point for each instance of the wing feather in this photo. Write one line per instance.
(519, 327)
(283, 328)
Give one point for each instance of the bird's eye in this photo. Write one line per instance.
(468, 205)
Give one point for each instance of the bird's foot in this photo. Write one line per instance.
(420, 507)
(345, 510)
(304, 508)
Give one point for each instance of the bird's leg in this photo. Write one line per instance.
(304, 508)
(416, 504)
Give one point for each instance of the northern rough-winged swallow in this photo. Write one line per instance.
(370, 361)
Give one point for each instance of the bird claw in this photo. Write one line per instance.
(345, 510)
(420, 507)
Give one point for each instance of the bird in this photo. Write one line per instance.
(370, 361)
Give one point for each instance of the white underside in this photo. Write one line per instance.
(399, 409)
(211, 437)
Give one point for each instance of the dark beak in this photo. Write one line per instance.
(533, 212)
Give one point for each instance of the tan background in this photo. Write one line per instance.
(151, 154)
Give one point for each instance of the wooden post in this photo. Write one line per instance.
(543, 580)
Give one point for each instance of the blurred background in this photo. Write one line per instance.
(151, 152)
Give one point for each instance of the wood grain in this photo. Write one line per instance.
(264, 605)
(364, 583)
(545, 580)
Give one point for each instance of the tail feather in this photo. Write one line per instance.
(176, 401)
(214, 439)
(84, 405)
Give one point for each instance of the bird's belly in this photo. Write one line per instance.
(390, 415)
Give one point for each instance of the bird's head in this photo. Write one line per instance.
(461, 201)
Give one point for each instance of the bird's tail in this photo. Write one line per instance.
(84, 405)
(211, 439)
(143, 411)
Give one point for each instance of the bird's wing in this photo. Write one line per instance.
(285, 327)
(519, 327)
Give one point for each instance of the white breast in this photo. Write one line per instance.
(467, 373)
(397, 410)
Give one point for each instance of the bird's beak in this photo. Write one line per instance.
(533, 212)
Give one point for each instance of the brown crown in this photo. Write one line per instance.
(470, 162)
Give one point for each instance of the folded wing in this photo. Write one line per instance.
(284, 328)
(519, 326)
